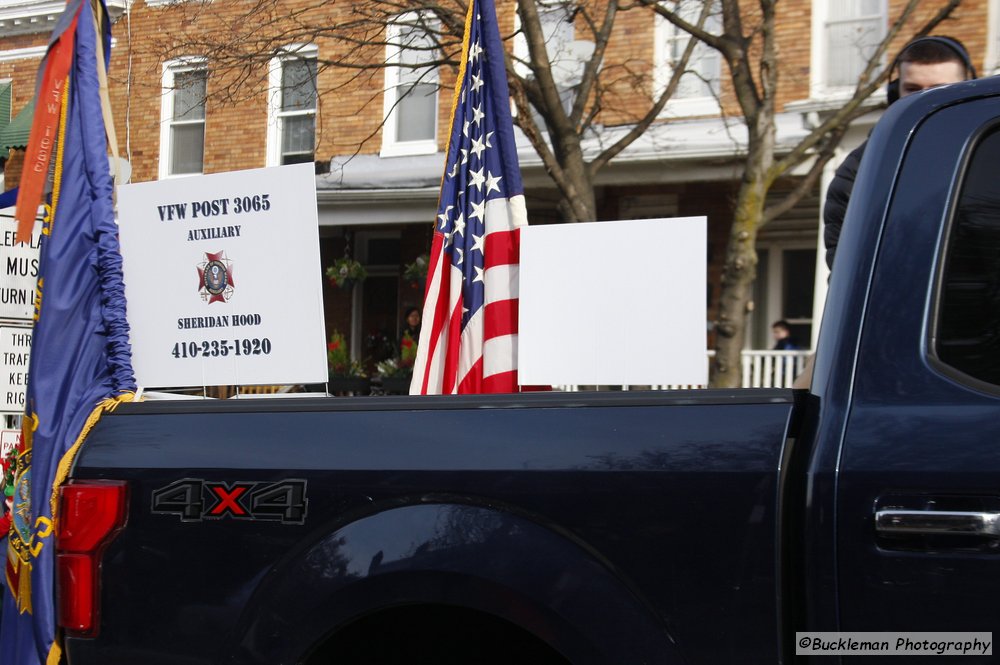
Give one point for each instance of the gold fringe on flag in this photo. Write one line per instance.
(456, 97)
(62, 471)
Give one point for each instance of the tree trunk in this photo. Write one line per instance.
(738, 275)
(577, 201)
(740, 268)
(583, 206)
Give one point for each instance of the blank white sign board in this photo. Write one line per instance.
(611, 303)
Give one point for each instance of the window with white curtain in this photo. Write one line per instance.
(411, 90)
(556, 20)
(697, 92)
(182, 117)
(566, 56)
(846, 33)
(291, 136)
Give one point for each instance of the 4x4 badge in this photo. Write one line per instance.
(195, 500)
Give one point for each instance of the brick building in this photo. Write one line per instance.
(377, 181)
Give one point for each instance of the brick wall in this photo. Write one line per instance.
(351, 103)
(349, 109)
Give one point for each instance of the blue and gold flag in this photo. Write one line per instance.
(80, 359)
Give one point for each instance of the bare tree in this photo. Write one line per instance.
(239, 37)
(747, 44)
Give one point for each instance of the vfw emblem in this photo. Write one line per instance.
(215, 278)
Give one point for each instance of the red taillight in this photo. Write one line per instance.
(90, 514)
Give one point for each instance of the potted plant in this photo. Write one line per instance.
(416, 273)
(346, 272)
(346, 376)
(397, 372)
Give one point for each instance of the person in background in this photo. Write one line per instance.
(925, 62)
(782, 334)
(409, 337)
(411, 324)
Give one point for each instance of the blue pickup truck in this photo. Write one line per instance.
(695, 527)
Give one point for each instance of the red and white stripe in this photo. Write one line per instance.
(483, 357)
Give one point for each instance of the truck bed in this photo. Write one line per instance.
(591, 511)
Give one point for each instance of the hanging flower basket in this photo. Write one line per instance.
(416, 273)
(346, 272)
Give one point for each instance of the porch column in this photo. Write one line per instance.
(822, 272)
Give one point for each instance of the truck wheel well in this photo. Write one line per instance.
(433, 635)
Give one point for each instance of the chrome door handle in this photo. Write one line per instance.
(937, 522)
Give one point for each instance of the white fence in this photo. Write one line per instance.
(772, 369)
(761, 369)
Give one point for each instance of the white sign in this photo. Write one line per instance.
(9, 440)
(15, 352)
(223, 279)
(19, 263)
(614, 303)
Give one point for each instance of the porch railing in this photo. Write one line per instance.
(772, 369)
(760, 369)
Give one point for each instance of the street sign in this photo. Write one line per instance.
(15, 351)
(9, 440)
(19, 263)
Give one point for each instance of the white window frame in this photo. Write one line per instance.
(3, 162)
(170, 69)
(562, 55)
(567, 56)
(664, 32)
(274, 112)
(992, 60)
(818, 86)
(391, 146)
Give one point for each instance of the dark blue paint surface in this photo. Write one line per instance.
(918, 437)
(888, 426)
(645, 530)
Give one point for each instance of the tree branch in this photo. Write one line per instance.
(550, 105)
(867, 85)
(808, 181)
(593, 65)
(698, 31)
(678, 71)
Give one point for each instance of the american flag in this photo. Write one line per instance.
(468, 341)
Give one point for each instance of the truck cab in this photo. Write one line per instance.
(901, 499)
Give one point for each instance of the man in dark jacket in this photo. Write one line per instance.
(926, 62)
